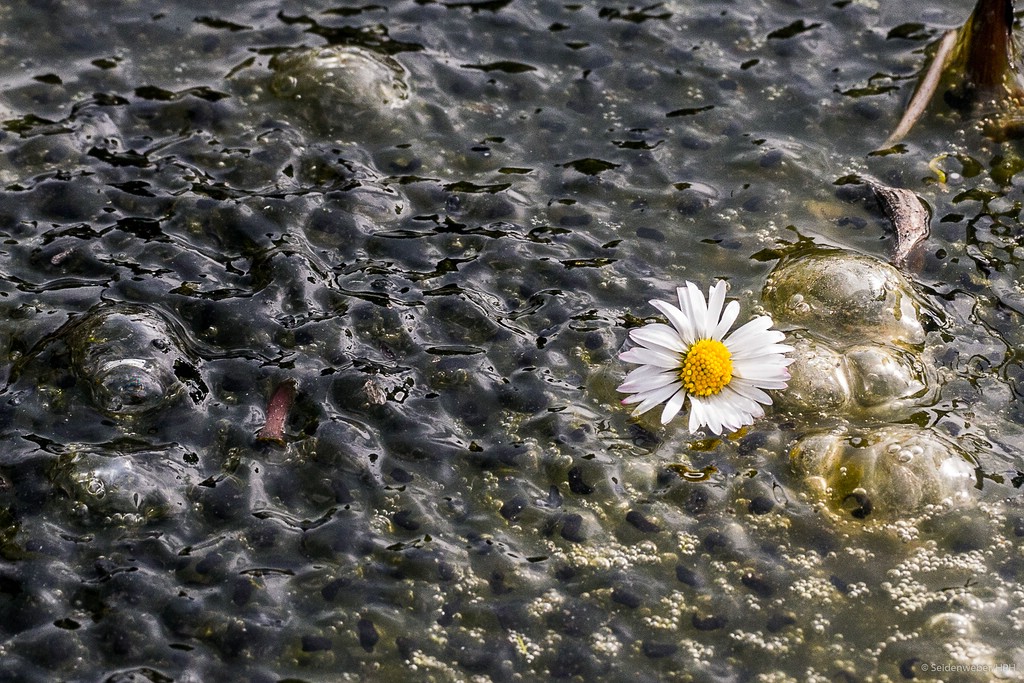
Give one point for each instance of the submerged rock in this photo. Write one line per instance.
(122, 488)
(846, 297)
(340, 89)
(819, 379)
(858, 352)
(859, 359)
(128, 356)
(864, 380)
(887, 471)
(885, 374)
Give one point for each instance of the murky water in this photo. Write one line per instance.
(438, 220)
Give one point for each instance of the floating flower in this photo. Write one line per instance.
(724, 376)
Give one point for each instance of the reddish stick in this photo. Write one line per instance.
(277, 412)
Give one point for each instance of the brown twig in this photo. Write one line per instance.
(925, 90)
(277, 412)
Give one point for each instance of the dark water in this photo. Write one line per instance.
(438, 219)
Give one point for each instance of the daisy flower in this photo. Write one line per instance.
(724, 375)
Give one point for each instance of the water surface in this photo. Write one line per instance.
(444, 253)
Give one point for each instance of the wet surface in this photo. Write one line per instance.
(436, 222)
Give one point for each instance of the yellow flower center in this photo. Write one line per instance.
(707, 368)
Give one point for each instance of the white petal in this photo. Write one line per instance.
(644, 372)
(744, 408)
(678, 319)
(751, 332)
(647, 382)
(716, 300)
(658, 336)
(730, 411)
(736, 411)
(684, 301)
(760, 365)
(749, 390)
(765, 351)
(767, 382)
(696, 416)
(758, 373)
(695, 308)
(776, 385)
(652, 398)
(644, 356)
(673, 406)
(770, 360)
(732, 311)
(711, 418)
(746, 345)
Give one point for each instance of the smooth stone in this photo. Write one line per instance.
(819, 379)
(845, 297)
(129, 489)
(884, 471)
(882, 375)
(339, 89)
(127, 355)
